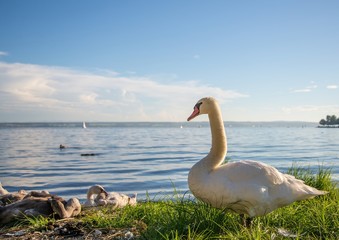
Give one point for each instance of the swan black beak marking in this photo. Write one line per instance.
(195, 113)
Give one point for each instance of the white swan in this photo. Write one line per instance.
(120, 200)
(246, 187)
(97, 196)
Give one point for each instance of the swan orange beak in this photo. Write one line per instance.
(195, 113)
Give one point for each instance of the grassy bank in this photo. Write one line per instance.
(176, 217)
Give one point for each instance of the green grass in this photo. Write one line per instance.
(179, 217)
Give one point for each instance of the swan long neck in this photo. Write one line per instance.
(218, 151)
(90, 195)
(91, 192)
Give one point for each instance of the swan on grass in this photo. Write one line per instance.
(39, 204)
(7, 197)
(98, 196)
(95, 195)
(247, 187)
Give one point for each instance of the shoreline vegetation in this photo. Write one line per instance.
(334, 126)
(329, 122)
(181, 217)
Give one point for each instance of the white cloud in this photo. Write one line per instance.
(306, 108)
(57, 93)
(88, 98)
(302, 90)
(3, 53)
(325, 109)
(313, 86)
(332, 87)
(306, 89)
(311, 113)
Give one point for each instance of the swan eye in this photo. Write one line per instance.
(198, 105)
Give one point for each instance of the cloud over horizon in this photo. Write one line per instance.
(306, 89)
(332, 87)
(51, 93)
(307, 110)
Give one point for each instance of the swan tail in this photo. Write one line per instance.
(315, 192)
(302, 190)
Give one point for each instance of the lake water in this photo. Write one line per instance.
(147, 158)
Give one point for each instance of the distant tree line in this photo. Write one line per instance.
(330, 120)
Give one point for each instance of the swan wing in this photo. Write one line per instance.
(252, 172)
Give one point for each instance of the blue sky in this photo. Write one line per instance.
(152, 60)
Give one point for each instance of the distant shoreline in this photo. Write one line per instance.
(336, 126)
(183, 124)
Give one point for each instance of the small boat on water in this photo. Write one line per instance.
(84, 125)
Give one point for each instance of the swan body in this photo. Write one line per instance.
(40, 204)
(246, 187)
(8, 198)
(97, 196)
(119, 200)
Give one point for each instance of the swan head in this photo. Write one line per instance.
(132, 200)
(75, 204)
(203, 106)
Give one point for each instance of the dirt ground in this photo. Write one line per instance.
(71, 230)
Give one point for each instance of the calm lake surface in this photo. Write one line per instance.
(147, 158)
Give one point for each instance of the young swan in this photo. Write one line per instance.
(120, 200)
(246, 187)
(8, 198)
(40, 204)
(97, 196)
(94, 196)
(2, 190)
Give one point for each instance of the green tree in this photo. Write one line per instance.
(328, 119)
(333, 120)
(322, 122)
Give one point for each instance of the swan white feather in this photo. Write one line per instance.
(97, 196)
(246, 187)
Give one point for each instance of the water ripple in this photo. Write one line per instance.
(145, 160)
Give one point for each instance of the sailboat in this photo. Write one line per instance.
(84, 125)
